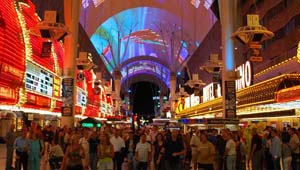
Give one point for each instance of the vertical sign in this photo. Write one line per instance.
(230, 99)
(67, 96)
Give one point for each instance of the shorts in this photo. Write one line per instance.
(105, 164)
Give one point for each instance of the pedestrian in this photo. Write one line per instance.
(143, 153)
(9, 140)
(35, 152)
(206, 153)
(230, 150)
(174, 152)
(106, 153)
(195, 141)
(73, 156)
(93, 145)
(118, 143)
(294, 144)
(276, 149)
(256, 151)
(22, 145)
(286, 154)
(157, 151)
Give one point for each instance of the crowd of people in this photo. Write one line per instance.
(151, 148)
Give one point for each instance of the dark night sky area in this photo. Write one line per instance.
(142, 98)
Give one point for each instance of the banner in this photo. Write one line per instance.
(230, 99)
(67, 96)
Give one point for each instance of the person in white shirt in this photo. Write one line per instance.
(230, 150)
(118, 143)
(194, 143)
(143, 153)
(83, 141)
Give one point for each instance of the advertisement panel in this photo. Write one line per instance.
(230, 99)
(67, 96)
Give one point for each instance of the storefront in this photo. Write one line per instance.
(274, 100)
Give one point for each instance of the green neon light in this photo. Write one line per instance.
(89, 125)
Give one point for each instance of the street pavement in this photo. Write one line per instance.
(2, 156)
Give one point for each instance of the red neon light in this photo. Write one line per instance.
(12, 55)
(37, 101)
(289, 94)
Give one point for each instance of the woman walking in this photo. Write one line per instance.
(74, 154)
(106, 153)
(35, 152)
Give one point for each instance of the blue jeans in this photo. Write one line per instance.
(131, 161)
(231, 162)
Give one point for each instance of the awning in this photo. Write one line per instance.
(282, 113)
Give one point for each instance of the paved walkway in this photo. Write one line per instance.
(2, 156)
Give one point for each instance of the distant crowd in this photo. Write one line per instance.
(151, 148)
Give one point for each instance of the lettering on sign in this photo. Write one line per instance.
(246, 76)
(8, 93)
(11, 70)
(211, 92)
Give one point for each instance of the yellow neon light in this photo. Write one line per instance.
(283, 62)
(56, 67)
(298, 52)
(28, 51)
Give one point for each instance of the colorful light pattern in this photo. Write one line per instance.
(138, 34)
(146, 67)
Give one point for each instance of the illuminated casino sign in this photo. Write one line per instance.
(211, 92)
(38, 80)
(246, 74)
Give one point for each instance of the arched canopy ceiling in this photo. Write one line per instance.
(168, 30)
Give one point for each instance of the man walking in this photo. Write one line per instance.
(276, 149)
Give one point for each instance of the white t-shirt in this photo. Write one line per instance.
(195, 141)
(143, 149)
(230, 145)
(117, 143)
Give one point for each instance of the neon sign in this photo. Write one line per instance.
(8, 92)
(246, 74)
(211, 92)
